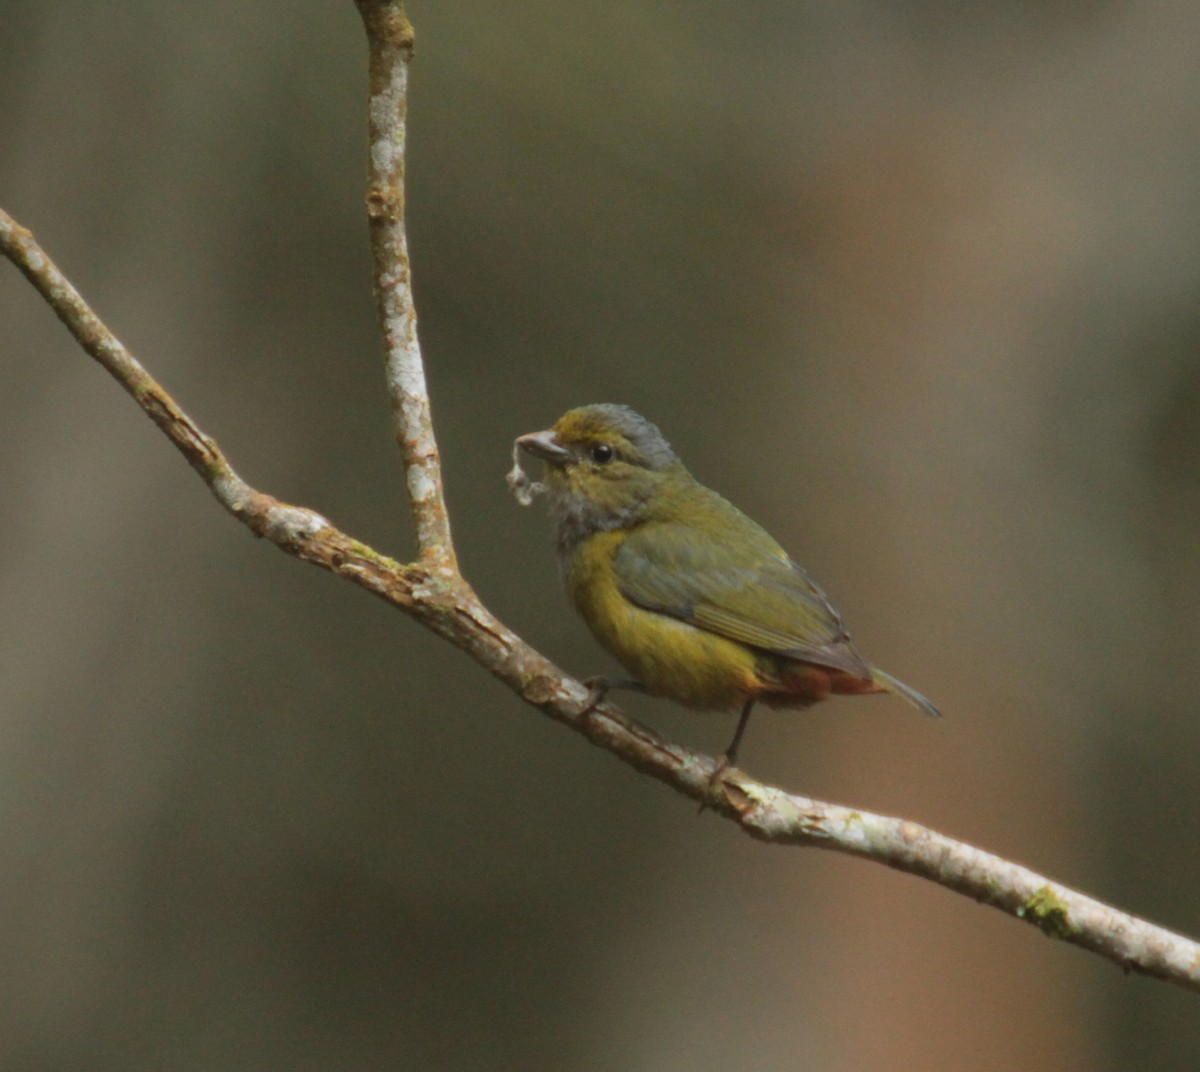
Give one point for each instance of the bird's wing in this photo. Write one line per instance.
(755, 595)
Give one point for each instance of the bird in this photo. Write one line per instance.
(696, 601)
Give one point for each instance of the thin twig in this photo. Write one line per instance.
(390, 40)
(433, 592)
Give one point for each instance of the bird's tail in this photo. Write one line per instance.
(895, 685)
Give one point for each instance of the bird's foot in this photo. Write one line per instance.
(724, 763)
(729, 756)
(598, 688)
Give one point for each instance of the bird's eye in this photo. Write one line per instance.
(602, 453)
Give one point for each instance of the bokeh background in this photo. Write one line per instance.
(916, 284)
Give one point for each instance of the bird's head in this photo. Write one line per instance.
(605, 466)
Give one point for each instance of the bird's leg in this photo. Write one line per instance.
(729, 756)
(600, 687)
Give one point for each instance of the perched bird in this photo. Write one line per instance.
(693, 598)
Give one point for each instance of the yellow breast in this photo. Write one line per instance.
(670, 657)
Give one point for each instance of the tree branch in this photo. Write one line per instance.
(433, 591)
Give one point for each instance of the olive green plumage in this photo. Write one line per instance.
(693, 598)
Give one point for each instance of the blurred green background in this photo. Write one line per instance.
(915, 284)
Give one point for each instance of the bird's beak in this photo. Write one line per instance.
(545, 445)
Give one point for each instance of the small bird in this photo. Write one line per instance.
(693, 598)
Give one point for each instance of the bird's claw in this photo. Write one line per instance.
(597, 690)
(600, 687)
(724, 763)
